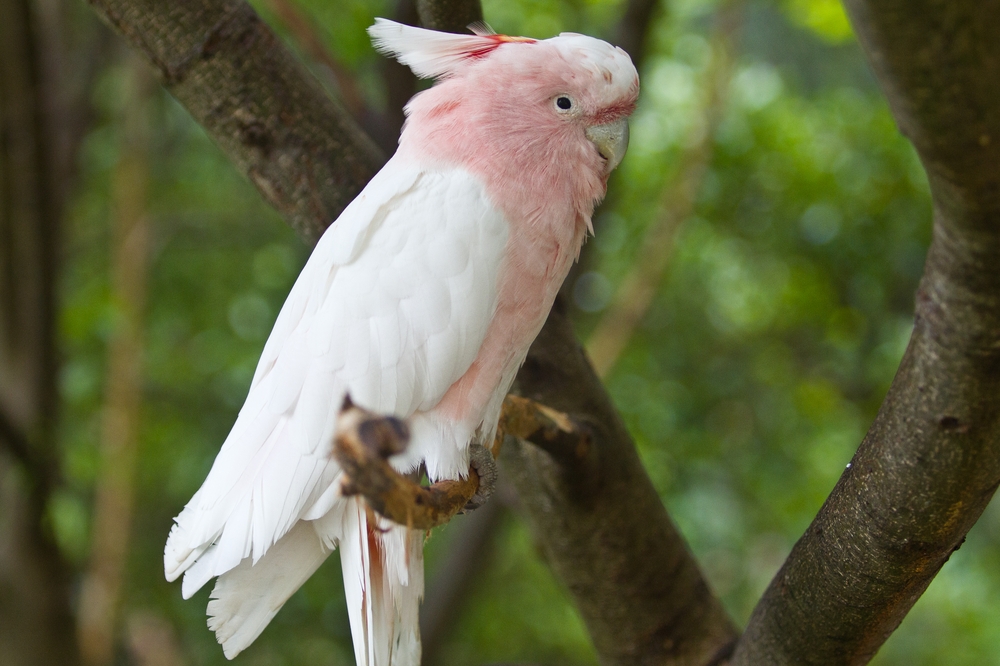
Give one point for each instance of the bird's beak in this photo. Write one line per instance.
(611, 141)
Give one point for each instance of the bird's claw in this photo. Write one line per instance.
(481, 460)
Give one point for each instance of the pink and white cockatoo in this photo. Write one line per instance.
(420, 301)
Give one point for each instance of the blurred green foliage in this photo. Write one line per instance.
(772, 340)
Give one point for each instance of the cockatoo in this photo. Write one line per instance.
(420, 302)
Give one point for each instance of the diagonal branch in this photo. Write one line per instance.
(931, 461)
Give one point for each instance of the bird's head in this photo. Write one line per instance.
(567, 98)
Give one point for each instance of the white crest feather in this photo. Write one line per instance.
(429, 53)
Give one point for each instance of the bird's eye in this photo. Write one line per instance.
(564, 103)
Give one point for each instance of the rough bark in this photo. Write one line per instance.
(640, 590)
(931, 461)
(365, 441)
(36, 626)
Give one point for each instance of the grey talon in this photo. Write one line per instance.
(481, 460)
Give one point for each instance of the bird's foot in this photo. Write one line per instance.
(481, 460)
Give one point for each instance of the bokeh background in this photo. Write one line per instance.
(765, 236)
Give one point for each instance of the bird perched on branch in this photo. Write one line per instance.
(420, 301)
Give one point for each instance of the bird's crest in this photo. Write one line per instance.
(433, 54)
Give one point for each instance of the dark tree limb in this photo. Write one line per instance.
(632, 30)
(449, 15)
(15, 441)
(36, 622)
(638, 587)
(931, 461)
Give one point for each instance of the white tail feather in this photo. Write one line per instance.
(383, 580)
(247, 597)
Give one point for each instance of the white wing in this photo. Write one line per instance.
(392, 306)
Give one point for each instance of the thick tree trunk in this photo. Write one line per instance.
(931, 461)
(36, 626)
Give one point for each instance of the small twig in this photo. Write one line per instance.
(558, 434)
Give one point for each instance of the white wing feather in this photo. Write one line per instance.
(392, 306)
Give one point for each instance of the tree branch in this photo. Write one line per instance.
(632, 30)
(930, 463)
(449, 15)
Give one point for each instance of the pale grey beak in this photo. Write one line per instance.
(611, 141)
